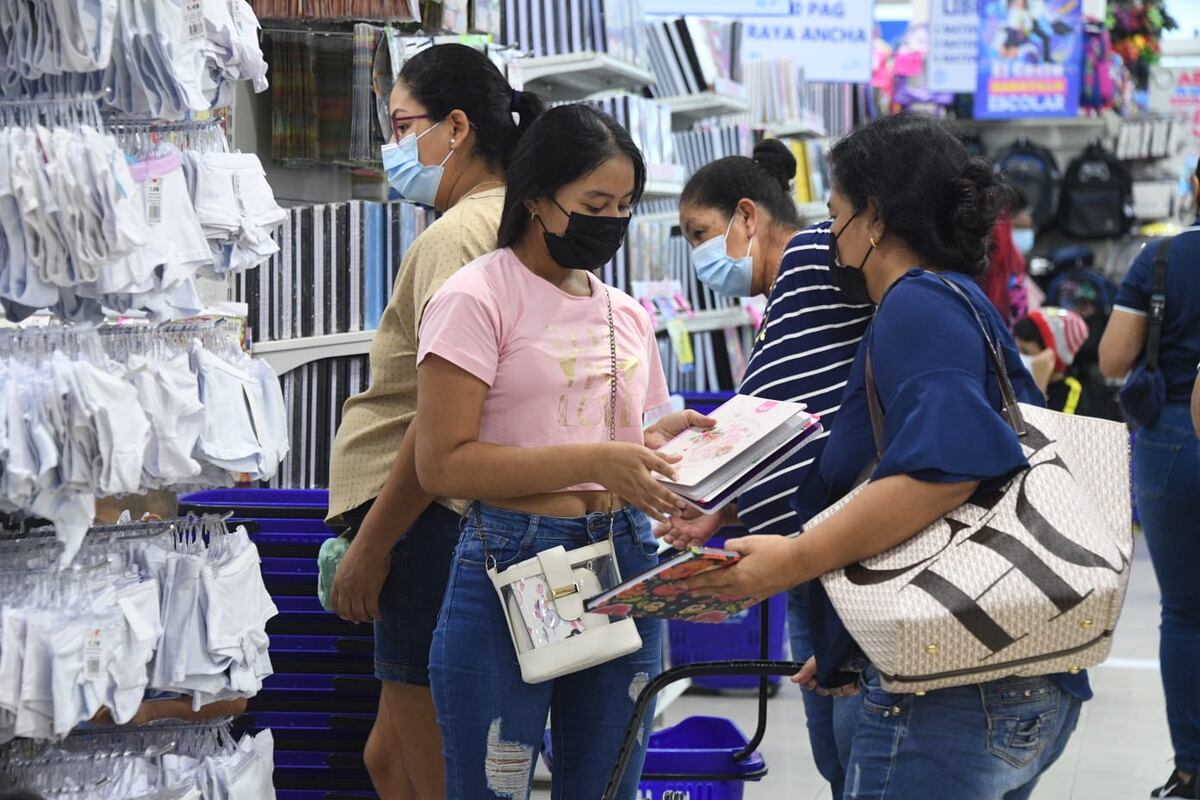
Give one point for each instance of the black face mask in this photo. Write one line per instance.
(589, 242)
(850, 281)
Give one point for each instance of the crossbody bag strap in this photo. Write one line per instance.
(1010, 410)
(1158, 305)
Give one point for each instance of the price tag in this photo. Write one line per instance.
(237, 193)
(193, 19)
(154, 201)
(93, 654)
(681, 343)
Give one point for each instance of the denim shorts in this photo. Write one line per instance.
(412, 594)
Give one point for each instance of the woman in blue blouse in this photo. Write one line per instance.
(909, 208)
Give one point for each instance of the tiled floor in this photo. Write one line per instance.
(1120, 750)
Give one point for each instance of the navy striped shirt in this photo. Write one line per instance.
(811, 336)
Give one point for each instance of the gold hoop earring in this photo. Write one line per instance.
(873, 242)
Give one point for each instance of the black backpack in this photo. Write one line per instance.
(1033, 170)
(1097, 196)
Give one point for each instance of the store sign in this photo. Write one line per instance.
(1030, 59)
(1177, 92)
(720, 8)
(953, 45)
(829, 39)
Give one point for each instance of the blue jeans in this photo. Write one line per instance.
(831, 721)
(1167, 474)
(492, 722)
(990, 741)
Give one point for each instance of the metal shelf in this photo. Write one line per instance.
(573, 76)
(663, 189)
(662, 218)
(814, 210)
(715, 320)
(687, 109)
(288, 354)
(810, 126)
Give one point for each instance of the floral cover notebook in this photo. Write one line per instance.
(659, 592)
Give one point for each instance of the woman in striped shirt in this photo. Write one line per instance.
(739, 215)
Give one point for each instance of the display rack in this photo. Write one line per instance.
(725, 98)
(810, 126)
(286, 355)
(813, 211)
(573, 76)
(664, 180)
(708, 321)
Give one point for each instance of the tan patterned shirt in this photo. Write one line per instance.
(374, 421)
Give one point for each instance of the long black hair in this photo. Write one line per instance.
(454, 76)
(561, 146)
(766, 179)
(925, 187)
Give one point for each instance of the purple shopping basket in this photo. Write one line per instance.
(693, 760)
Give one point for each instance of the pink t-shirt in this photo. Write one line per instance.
(545, 354)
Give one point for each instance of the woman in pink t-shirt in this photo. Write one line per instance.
(516, 408)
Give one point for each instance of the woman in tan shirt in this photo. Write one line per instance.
(453, 128)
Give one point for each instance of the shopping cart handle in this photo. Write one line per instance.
(656, 685)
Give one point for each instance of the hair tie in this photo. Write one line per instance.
(514, 101)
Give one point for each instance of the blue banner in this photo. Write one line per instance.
(1030, 59)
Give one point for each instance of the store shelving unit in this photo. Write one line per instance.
(573, 76)
(813, 211)
(726, 97)
(286, 355)
(715, 320)
(810, 126)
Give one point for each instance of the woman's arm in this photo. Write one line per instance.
(1124, 339)
(451, 461)
(885, 514)
(364, 567)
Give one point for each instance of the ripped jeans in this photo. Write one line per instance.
(493, 722)
(989, 741)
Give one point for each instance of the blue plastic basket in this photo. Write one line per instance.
(736, 638)
(693, 760)
(260, 503)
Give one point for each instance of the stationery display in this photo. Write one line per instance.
(691, 54)
(612, 27)
(346, 254)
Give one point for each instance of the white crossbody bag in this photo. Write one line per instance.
(1028, 581)
(543, 597)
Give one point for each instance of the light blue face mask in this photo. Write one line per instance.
(416, 182)
(719, 271)
(1023, 238)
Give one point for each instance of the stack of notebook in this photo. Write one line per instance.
(335, 270)
(690, 55)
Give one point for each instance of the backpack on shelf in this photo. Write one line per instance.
(1097, 196)
(1033, 170)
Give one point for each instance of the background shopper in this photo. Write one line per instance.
(518, 402)
(909, 208)
(1166, 468)
(451, 107)
(802, 354)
